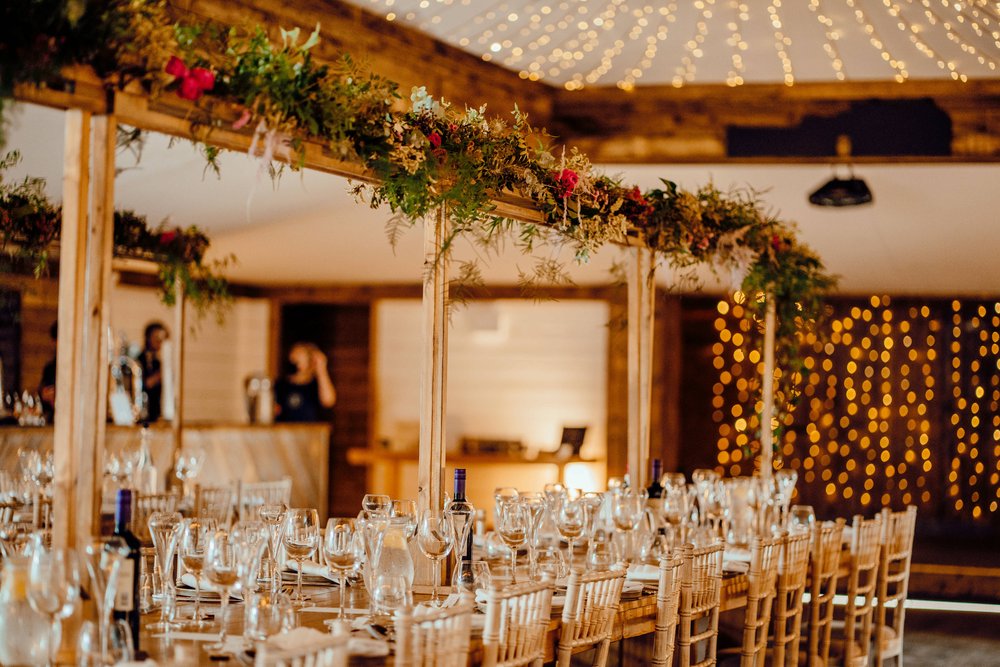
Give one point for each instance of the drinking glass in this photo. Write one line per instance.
(550, 561)
(512, 526)
(784, 482)
(435, 537)
(534, 505)
(267, 615)
(601, 554)
(627, 509)
(103, 560)
(405, 509)
(676, 511)
(222, 563)
(301, 537)
(801, 519)
(53, 589)
(251, 538)
(340, 547)
(569, 523)
(188, 466)
(377, 504)
(502, 495)
(482, 576)
(389, 593)
(165, 528)
(273, 516)
(195, 534)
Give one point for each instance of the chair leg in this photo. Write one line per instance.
(601, 654)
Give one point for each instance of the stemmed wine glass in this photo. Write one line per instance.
(53, 588)
(251, 537)
(273, 516)
(435, 538)
(188, 466)
(222, 568)
(502, 495)
(195, 534)
(534, 505)
(165, 528)
(407, 510)
(301, 531)
(570, 522)
(512, 525)
(376, 504)
(627, 509)
(341, 544)
(104, 561)
(784, 482)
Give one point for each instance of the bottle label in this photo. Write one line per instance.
(123, 595)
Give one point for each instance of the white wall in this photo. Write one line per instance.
(517, 370)
(218, 357)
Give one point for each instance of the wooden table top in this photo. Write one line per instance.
(635, 617)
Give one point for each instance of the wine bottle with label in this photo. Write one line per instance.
(463, 516)
(127, 594)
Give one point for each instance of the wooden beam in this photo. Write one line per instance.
(71, 519)
(641, 289)
(767, 388)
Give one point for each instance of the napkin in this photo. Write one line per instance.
(207, 587)
(736, 553)
(736, 566)
(643, 572)
(299, 638)
(367, 647)
(311, 568)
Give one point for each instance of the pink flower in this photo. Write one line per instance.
(176, 67)
(242, 121)
(452, 127)
(435, 139)
(166, 238)
(566, 181)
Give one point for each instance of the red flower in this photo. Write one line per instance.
(205, 78)
(189, 89)
(776, 242)
(168, 237)
(566, 181)
(452, 127)
(176, 67)
(435, 139)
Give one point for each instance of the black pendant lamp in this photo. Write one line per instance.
(850, 191)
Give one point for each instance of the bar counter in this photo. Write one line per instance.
(245, 452)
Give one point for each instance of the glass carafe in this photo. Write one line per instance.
(24, 633)
(392, 553)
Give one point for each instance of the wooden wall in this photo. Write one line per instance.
(33, 317)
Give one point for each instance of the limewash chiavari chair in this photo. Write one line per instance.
(792, 571)
(215, 502)
(701, 591)
(762, 581)
(324, 651)
(436, 638)
(824, 566)
(668, 596)
(862, 579)
(146, 505)
(589, 614)
(517, 620)
(893, 582)
(252, 495)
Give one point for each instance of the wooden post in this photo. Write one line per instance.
(180, 334)
(641, 287)
(434, 370)
(767, 388)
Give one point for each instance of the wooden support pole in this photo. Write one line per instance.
(177, 370)
(641, 287)
(70, 519)
(767, 388)
(434, 370)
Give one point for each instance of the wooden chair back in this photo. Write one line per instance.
(792, 571)
(589, 614)
(762, 581)
(517, 619)
(434, 638)
(146, 505)
(701, 590)
(668, 597)
(252, 495)
(824, 568)
(325, 651)
(215, 502)
(862, 579)
(893, 582)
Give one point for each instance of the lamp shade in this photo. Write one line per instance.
(842, 192)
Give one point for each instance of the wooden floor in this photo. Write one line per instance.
(949, 638)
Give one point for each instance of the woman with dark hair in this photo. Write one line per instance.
(307, 389)
(151, 362)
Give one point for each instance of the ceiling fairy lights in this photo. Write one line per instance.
(578, 43)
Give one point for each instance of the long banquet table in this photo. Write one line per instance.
(635, 618)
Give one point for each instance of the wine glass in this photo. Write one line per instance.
(502, 495)
(801, 519)
(569, 523)
(405, 509)
(627, 509)
(53, 589)
(195, 534)
(251, 538)
(784, 482)
(273, 515)
(377, 504)
(188, 466)
(601, 553)
(534, 505)
(301, 537)
(165, 528)
(512, 525)
(103, 560)
(222, 564)
(340, 547)
(389, 593)
(435, 538)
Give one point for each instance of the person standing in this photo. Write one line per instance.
(307, 389)
(151, 361)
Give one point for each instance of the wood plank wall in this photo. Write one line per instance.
(38, 309)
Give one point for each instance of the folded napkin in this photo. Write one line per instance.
(736, 553)
(311, 568)
(643, 572)
(367, 647)
(208, 589)
(736, 566)
(299, 638)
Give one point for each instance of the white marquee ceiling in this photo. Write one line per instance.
(676, 42)
(933, 229)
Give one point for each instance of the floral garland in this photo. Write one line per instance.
(30, 223)
(424, 157)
